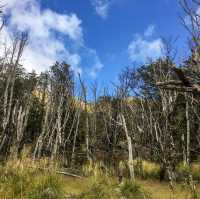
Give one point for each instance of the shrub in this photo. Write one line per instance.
(46, 187)
(107, 190)
(131, 190)
(103, 186)
(100, 188)
(183, 171)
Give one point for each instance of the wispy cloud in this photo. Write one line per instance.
(44, 28)
(49, 32)
(101, 7)
(97, 65)
(149, 31)
(187, 18)
(142, 48)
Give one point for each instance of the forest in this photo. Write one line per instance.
(62, 138)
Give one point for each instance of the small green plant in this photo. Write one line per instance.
(130, 190)
(183, 171)
(48, 187)
(101, 188)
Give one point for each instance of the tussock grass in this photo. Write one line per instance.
(147, 169)
(25, 179)
(183, 171)
(107, 188)
(195, 171)
(101, 185)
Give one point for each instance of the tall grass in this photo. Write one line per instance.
(102, 185)
(184, 171)
(147, 169)
(24, 179)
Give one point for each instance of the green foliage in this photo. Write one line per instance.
(49, 187)
(106, 189)
(35, 118)
(102, 186)
(130, 190)
(184, 171)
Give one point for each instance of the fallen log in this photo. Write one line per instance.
(69, 174)
(61, 172)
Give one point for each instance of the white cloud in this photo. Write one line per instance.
(97, 65)
(196, 13)
(149, 31)
(141, 49)
(101, 7)
(95, 69)
(48, 33)
(44, 46)
(26, 15)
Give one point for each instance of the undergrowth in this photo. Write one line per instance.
(24, 179)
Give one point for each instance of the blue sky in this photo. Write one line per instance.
(97, 37)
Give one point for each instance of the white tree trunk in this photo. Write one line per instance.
(188, 132)
(130, 149)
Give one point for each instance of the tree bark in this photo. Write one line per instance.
(130, 149)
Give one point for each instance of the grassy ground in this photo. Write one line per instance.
(161, 190)
(156, 189)
(25, 179)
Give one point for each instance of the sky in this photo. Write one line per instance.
(98, 38)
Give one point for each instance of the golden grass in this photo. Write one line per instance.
(161, 190)
(150, 169)
(75, 186)
(25, 179)
(157, 190)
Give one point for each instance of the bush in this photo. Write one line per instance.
(47, 187)
(130, 190)
(101, 188)
(105, 190)
(183, 171)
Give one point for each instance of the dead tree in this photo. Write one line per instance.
(84, 90)
(12, 65)
(130, 148)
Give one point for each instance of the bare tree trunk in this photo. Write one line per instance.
(86, 118)
(40, 140)
(17, 50)
(188, 131)
(183, 149)
(74, 141)
(130, 148)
